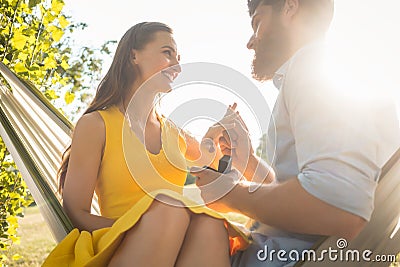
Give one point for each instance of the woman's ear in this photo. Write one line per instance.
(133, 57)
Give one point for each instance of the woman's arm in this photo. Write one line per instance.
(84, 163)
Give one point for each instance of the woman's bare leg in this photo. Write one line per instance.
(206, 243)
(156, 239)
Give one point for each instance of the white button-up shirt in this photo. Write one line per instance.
(332, 139)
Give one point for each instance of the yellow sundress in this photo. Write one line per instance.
(124, 198)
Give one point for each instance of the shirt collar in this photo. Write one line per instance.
(280, 74)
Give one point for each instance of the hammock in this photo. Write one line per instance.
(36, 133)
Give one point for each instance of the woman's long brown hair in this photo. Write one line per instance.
(121, 75)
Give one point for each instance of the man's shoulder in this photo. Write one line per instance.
(306, 75)
(310, 60)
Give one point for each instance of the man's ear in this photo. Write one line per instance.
(290, 9)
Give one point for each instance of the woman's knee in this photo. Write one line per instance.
(209, 224)
(161, 217)
(166, 212)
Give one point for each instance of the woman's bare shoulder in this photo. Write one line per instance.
(91, 120)
(89, 126)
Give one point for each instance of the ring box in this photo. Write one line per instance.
(224, 165)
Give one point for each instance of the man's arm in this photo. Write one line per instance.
(286, 206)
(258, 171)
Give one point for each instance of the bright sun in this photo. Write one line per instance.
(364, 34)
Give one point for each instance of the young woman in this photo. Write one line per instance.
(135, 228)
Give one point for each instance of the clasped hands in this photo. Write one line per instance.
(231, 137)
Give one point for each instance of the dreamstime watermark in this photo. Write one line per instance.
(340, 253)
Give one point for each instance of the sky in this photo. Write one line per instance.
(217, 31)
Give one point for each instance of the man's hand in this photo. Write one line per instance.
(232, 135)
(236, 142)
(211, 138)
(215, 187)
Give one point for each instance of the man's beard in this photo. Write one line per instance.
(259, 72)
(270, 54)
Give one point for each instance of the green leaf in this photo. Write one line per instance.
(48, 17)
(33, 3)
(12, 231)
(63, 21)
(3, 257)
(19, 40)
(22, 56)
(57, 6)
(50, 63)
(25, 8)
(64, 65)
(57, 34)
(51, 94)
(16, 257)
(6, 30)
(18, 210)
(69, 97)
(31, 39)
(20, 67)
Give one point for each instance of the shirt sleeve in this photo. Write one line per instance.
(336, 141)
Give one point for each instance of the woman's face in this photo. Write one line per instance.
(160, 55)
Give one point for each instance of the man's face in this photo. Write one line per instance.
(269, 41)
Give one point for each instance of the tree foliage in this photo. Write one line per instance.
(261, 150)
(36, 43)
(13, 197)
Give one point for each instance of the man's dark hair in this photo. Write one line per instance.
(253, 4)
(320, 11)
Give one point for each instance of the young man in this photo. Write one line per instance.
(326, 147)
